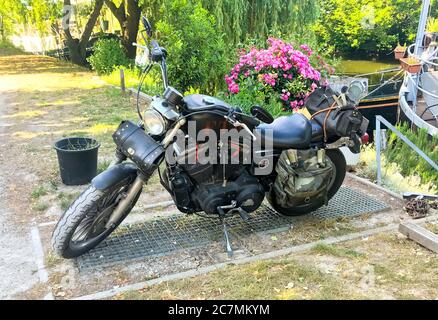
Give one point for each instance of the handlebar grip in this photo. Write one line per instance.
(249, 121)
(155, 44)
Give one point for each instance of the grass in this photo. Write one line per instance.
(380, 267)
(39, 192)
(102, 166)
(285, 279)
(7, 49)
(151, 84)
(336, 251)
(40, 207)
(66, 199)
(52, 260)
(432, 227)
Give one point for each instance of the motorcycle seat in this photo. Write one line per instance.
(288, 132)
(317, 132)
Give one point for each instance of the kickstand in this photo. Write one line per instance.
(227, 237)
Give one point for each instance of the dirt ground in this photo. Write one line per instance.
(42, 100)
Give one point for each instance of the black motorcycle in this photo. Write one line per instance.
(292, 161)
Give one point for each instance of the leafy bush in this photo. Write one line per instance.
(108, 54)
(392, 177)
(280, 77)
(195, 46)
(411, 163)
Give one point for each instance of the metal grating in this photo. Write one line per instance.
(181, 232)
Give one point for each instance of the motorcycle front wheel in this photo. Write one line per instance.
(83, 225)
(338, 162)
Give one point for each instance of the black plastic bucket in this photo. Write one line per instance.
(77, 158)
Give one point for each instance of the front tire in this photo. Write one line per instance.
(82, 226)
(340, 169)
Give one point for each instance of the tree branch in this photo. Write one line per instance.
(90, 24)
(118, 12)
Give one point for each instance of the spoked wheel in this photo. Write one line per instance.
(83, 225)
(337, 160)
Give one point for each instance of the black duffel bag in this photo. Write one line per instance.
(336, 114)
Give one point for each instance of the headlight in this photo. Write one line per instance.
(154, 123)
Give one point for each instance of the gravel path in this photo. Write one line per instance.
(17, 263)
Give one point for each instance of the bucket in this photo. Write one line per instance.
(77, 158)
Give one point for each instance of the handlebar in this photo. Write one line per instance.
(139, 46)
(250, 121)
(155, 44)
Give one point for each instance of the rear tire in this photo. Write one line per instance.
(87, 206)
(340, 165)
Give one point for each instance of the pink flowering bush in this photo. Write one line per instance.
(279, 77)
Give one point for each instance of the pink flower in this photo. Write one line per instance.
(306, 48)
(278, 66)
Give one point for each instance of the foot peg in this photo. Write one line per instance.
(243, 214)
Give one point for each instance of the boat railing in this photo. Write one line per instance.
(379, 121)
(414, 79)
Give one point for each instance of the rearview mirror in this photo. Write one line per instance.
(147, 26)
(262, 114)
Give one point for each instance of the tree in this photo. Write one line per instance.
(241, 20)
(128, 14)
(364, 27)
(78, 47)
(195, 45)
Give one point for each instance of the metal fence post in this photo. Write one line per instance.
(378, 143)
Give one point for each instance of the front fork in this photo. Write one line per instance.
(139, 181)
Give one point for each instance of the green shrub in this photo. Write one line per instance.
(392, 177)
(108, 54)
(196, 49)
(411, 163)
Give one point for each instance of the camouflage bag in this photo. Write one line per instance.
(303, 177)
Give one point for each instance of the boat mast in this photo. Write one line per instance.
(422, 28)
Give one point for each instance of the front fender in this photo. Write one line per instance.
(114, 175)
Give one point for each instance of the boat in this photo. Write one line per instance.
(381, 98)
(419, 91)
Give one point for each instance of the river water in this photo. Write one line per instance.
(357, 67)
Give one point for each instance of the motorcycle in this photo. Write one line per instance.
(294, 162)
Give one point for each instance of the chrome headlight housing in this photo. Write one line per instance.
(154, 123)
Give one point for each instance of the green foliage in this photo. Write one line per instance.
(241, 20)
(432, 25)
(196, 48)
(251, 96)
(108, 54)
(410, 162)
(40, 14)
(352, 27)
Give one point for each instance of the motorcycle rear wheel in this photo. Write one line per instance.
(340, 168)
(83, 226)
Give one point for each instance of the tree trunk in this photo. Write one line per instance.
(78, 48)
(134, 14)
(129, 19)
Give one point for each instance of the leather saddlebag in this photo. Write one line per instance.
(138, 146)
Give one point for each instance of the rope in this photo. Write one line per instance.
(384, 84)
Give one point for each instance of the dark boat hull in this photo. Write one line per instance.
(386, 107)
